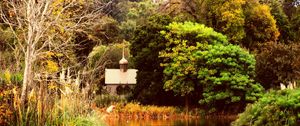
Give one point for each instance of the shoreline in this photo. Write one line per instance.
(162, 116)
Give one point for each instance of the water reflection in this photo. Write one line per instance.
(190, 122)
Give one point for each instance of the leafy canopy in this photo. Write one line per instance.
(245, 22)
(228, 18)
(183, 40)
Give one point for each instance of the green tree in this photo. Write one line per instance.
(260, 25)
(227, 16)
(227, 74)
(198, 57)
(282, 21)
(183, 40)
(145, 46)
(295, 21)
(135, 14)
(245, 22)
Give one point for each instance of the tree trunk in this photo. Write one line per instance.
(187, 105)
(28, 57)
(27, 74)
(41, 100)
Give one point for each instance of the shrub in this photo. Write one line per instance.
(11, 78)
(273, 109)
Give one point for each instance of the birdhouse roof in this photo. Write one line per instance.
(123, 61)
(116, 77)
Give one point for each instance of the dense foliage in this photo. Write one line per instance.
(227, 16)
(282, 21)
(275, 108)
(260, 25)
(228, 77)
(277, 63)
(245, 22)
(145, 47)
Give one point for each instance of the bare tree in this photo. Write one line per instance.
(46, 25)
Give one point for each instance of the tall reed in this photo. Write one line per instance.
(53, 106)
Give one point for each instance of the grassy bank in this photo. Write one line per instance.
(135, 111)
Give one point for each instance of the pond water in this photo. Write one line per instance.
(187, 122)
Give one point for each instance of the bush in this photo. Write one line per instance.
(273, 109)
(11, 78)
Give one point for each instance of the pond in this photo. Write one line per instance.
(173, 122)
